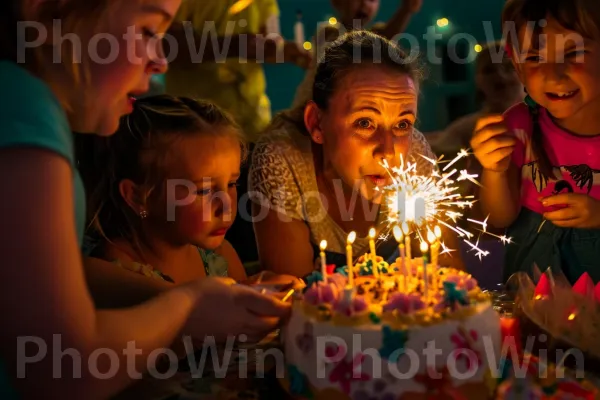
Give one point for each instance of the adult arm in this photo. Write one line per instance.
(283, 243)
(46, 293)
(194, 46)
(399, 21)
(114, 287)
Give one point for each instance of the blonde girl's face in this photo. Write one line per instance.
(561, 74)
(199, 200)
(121, 55)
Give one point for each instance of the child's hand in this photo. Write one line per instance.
(225, 309)
(493, 144)
(580, 211)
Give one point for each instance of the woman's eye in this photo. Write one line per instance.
(404, 125)
(233, 184)
(204, 192)
(363, 123)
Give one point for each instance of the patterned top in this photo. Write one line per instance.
(214, 265)
(283, 178)
(575, 159)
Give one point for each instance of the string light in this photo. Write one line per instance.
(443, 22)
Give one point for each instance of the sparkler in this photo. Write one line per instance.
(423, 201)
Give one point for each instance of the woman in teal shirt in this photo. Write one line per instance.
(42, 207)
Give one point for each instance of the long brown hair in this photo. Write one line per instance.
(581, 16)
(138, 152)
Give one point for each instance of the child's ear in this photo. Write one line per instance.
(312, 121)
(131, 193)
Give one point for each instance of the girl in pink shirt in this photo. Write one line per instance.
(541, 159)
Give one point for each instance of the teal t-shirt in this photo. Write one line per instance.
(31, 117)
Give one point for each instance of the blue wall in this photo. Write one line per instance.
(466, 16)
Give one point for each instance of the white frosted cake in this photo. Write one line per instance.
(392, 336)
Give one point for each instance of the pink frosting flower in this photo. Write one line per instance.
(358, 305)
(405, 303)
(320, 293)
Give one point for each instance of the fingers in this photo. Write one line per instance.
(495, 143)
(258, 327)
(562, 215)
(262, 305)
(499, 155)
(487, 120)
(561, 199)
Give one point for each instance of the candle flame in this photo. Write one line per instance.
(372, 233)
(398, 235)
(438, 231)
(430, 237)
(424, 246)
(572, 317)
(405, 228)
(323, 245)
(351, 237)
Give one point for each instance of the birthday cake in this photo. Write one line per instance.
(402, 331)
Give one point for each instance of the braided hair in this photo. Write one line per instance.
(581, 16)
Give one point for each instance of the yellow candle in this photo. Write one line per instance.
(424, 249)
(349, 261)
(406, 232)
(432, 241)
(435, 250)
(372, 234)
(323, 246)
(399, 236)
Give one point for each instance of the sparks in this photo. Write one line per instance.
(423, 201)
(446, 250)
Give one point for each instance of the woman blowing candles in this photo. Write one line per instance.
(42, 217)
(316, 174)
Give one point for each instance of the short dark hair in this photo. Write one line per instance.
(340, 58)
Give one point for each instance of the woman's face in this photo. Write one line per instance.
(121, 56)
(370, 118)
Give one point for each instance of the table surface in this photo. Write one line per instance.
(244, 378)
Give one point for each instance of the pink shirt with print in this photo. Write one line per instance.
(576, 159)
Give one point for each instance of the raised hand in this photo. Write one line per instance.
(493, 144)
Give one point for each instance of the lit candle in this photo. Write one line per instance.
(399, 236)
(432, 241)
(424, 249)
(372, 234)
(406, 232)
(435, 250)
(349, 261)
(323, 246)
